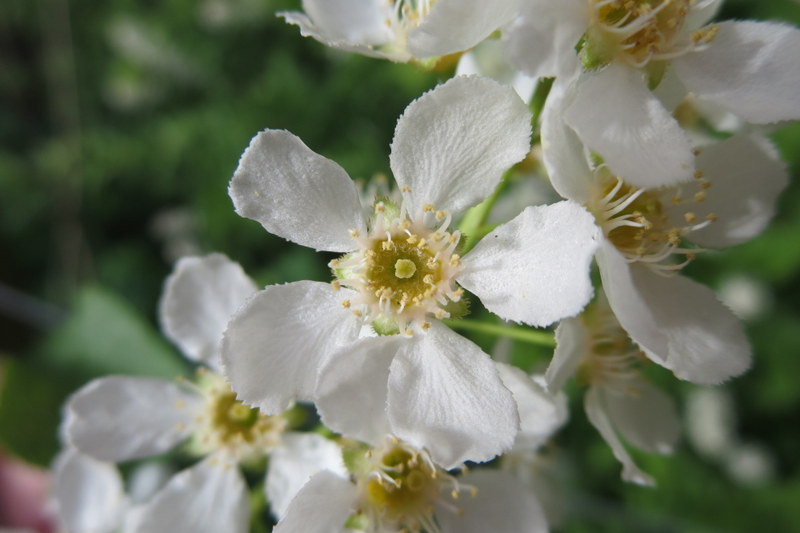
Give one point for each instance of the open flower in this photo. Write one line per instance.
(397, 487)
(400, 273)
(648, 232)
(119, 418)
(402, 30)
(627, 55)
(620, 401)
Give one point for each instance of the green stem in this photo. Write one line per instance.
(258, 505)
(531, 336)
(475, 218)
(537, 103)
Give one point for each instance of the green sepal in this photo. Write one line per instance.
(357, 522)
(458, 309)
(354, 455)
(384, 325)
(595, 50)
(391, 210)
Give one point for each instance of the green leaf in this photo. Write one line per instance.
(106, 335)
(30, 409)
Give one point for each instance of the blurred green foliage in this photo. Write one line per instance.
(120, 126)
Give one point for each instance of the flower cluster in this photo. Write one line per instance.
(406, 407)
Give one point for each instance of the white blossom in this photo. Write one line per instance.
(620, 403)
(119, 418)
(647, 227)
(618, 53)
(401, 30)
(399, 274)
(397, 487)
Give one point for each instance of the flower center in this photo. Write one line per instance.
(645, 226)
(226, 423)
(403, 272)
(639, 31)
(401, 488)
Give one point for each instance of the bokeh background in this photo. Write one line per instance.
(121, 123)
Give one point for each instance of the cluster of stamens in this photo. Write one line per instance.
(612, 357)
(648, 225)
(407, 14)
(402, 16)
(402, 488)
(225, 423)
(403, 271)
(641, 31)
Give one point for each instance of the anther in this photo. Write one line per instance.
(336, 285)
(429, 208)
(346, 304)
(690, 217)
(354, 233)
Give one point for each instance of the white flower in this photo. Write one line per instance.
(399, 275)
(397, 487)
(678, 323)
(119, 418)
(625, 49)
(402, 30)
(620, 402)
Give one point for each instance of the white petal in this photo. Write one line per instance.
(617, 116)
(488, 59)
(535, 269)
(294, 461)
(597, 413)
(323, 505)
(540, 413)
(352, 388)
(542, 43)
(88, 493)
(199, 298)
(274, 346)
(445, 395)
(296, 194)
(119, 418)
(456, 25)
(562, 150)
(747, 176)
(678, 322)
(352, 21)
(370, 34)
(452, 144)
(701, 13)
(751, 68)
(209, 497)
(502, 505)
(571, 347)
(642, 414)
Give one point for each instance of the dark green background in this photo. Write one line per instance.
(118, 114)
